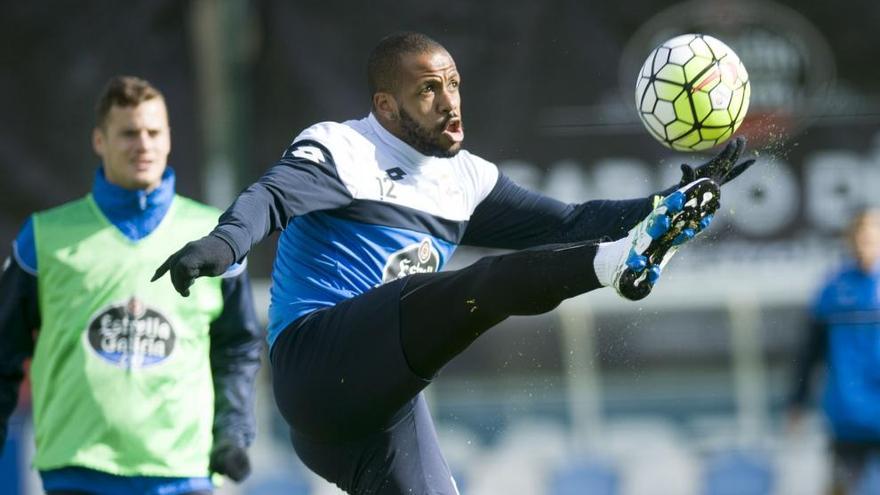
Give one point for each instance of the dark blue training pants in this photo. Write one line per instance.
(347, 379)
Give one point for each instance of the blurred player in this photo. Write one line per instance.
(371, 210)
(845, 335)
(135, 390)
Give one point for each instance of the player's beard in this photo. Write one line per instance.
(425, 141)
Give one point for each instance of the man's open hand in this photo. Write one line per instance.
(722, 168)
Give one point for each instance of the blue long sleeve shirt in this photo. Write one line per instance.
(845, 336)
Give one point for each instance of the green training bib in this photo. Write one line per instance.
(121, 372)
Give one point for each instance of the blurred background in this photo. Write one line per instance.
(664, 396)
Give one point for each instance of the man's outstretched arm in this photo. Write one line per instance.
(512, 217)
(296, 185)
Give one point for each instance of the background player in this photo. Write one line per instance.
(844, 335)
(134, 390)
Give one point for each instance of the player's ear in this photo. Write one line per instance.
(98, 141)
(385, 106)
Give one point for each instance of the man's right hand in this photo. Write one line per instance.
(208, 256)
(722, 168)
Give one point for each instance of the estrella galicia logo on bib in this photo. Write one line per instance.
(131, 335)
(415, 258)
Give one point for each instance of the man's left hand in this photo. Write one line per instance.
(721, 169)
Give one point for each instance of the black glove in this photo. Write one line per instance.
(230, 460)
(721, 169)
(209, 256)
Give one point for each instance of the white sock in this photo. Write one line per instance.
(609, 255)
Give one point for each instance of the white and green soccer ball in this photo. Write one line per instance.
(692, 92)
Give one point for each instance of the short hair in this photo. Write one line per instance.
(863, 213)
(383, 66)
(123, 91)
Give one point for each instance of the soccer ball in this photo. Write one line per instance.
(692, 92)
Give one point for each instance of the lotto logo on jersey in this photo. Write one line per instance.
(130, 335)
(306, 150)
(415, 258)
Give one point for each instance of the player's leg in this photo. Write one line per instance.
(442, 314)
(401, 459)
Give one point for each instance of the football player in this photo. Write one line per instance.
(361, 315)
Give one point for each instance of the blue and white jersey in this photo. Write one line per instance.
(400, 213)
(358, 207)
